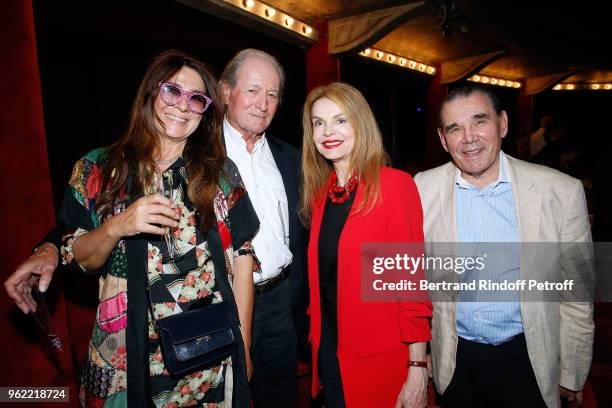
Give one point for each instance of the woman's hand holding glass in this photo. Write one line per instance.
(150, 214)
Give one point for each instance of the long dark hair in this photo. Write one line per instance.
(133, 154)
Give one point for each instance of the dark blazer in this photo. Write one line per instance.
(288, 160)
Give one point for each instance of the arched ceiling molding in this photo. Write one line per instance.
(541, 83)
(225, 9)
(353, 34)
(461, 68)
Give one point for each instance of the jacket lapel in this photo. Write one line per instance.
(528, 204)
(313, 248)
(449, 226)
(287, 170)
(136, 333)
(447, 204)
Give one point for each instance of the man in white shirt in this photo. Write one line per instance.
(252, 85)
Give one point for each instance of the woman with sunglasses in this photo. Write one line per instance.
(365, 354)
(162, 252)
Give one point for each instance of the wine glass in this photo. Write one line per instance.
(44, 319)
(166, 189)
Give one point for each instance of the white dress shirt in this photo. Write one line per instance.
(264, 184)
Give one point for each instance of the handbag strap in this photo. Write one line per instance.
(150, 300)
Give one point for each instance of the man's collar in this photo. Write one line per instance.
(232, 135)
(503, 177)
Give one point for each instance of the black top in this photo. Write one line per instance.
(334, 218)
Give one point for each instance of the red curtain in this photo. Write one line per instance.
(26, 206)
(321, 67)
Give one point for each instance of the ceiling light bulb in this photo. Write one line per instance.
(367, 51)
(402, 61)
(248, 3)
(421, 67)
(288, 21)
(557, 87)
(431, 70)
(412, 64)
(608, 86)
(270, 12)
(493, 81)
(595, 86)
(517, 84)
(502, 82)
(308, 30)
(391, 58)
(476, 78)
(380, 54)
(485, 80)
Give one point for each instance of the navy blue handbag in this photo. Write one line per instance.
(195, 339)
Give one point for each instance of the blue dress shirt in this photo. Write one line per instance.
(488, 216)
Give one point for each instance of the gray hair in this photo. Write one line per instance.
(230, 72)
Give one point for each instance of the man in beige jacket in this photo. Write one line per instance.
(523, 353)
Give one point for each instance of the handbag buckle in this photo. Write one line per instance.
(202, 339)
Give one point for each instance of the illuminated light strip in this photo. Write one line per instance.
(269, 13)
(582, 87)
(484, 79)
(400, 60)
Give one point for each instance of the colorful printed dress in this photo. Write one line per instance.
(124, 364)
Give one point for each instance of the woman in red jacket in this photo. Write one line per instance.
(365, 354)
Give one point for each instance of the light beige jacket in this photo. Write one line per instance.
(550, 207)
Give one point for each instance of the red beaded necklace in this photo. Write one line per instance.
(337, 194)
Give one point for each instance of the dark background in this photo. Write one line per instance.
(92, 58)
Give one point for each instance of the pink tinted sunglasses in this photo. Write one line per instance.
(172, 94)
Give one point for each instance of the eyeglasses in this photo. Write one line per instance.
(172, 94)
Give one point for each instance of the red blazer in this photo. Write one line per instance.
(371, 335)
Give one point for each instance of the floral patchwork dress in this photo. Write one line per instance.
(124, 365)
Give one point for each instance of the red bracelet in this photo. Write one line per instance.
(422, 364)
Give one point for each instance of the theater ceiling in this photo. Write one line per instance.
(540, 43)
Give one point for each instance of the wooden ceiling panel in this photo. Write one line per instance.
(517, 66)
(540, 38)
(420, 39)
(591, 77)
(313, 10)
